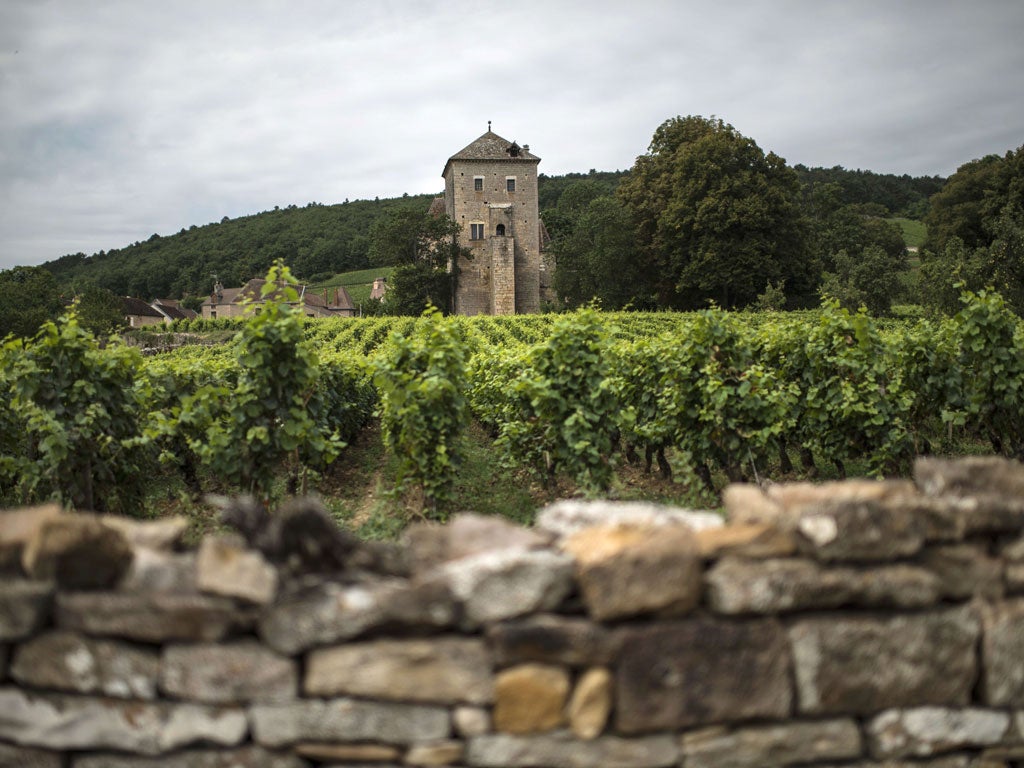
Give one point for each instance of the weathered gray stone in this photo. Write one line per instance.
(772, 745)
(969, 475)
(949, 761)
(494, 586)
(783, 505)
(225, 566)
(348, 753)
(245, 757)
(965, 571)
(551, 639)
(530, 698)
(569, 516)
(24, 607)
(736, 586)
(17, 528)
(340, 720)
(238, 672)
(1002, 649)
(78, 552)
(67, 661)
(673, 675)
(151, 616)
(864, 530)
(443, 670)
(74, 723)
(928, 659)
(626, 569)
(927, 731)
(155, 570)
(26, 757)
(429, 545)
(331, 612)
(561, 749)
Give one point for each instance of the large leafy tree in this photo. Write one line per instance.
(423, 248)
(716, 219)
(29, 297)
(976, 232)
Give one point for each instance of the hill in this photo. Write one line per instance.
(319, 241)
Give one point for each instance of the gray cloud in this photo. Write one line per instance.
(119, 119)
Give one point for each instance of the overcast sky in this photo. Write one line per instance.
(123, 119)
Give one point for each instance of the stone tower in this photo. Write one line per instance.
(490, 190)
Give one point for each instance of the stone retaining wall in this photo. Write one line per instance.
(854, 624)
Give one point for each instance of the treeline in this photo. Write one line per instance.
(318, 240)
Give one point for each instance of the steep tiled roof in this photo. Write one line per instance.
(138, 308)
(491, 146)
(436, 207)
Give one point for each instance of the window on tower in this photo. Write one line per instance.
(476, 231)
(478, 183)
(510, 184)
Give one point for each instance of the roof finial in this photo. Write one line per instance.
(488, 126)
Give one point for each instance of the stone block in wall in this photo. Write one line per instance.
(24, 607)
(471, 721)
(499, 585)
(347, 720)
(782, 505)
(61, 722)
(442, 670)
(627, 570)
(562, 749)
(348, 753)
(552, 639)
(429, 545)
(26, 757)
(673, 675)
(243, 757)
(154, 570)
(927, 659)
(436, 753)
(68, 661)
(530, 698)
(226, 566)
(153, 617)
(17, 528)
(928, 731)
(738, 586)
(163, 534)
(749, 540)
(569, 516)
(77, 551)
(860, 530)
(965, 571)
(331, 612)
(948, 761)
(591, 703)
(969, 476)
(1002, 649)
(235, 672)
(772, 745)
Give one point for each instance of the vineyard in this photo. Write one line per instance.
(700, 398)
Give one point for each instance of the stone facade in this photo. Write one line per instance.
(608, 635)
(490, 190)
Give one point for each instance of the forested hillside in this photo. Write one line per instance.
(319, 240)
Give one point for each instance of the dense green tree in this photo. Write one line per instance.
(871, 279)
(597, 258)
(423, 248)
(29, 297)
(716, 219)
(99, 311)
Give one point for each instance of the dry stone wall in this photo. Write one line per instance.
(848, 624)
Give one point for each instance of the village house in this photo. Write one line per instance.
(490, 191)
(235, 302)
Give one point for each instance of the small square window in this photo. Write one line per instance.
(478, 183)
(510, 184)
(476, 231)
